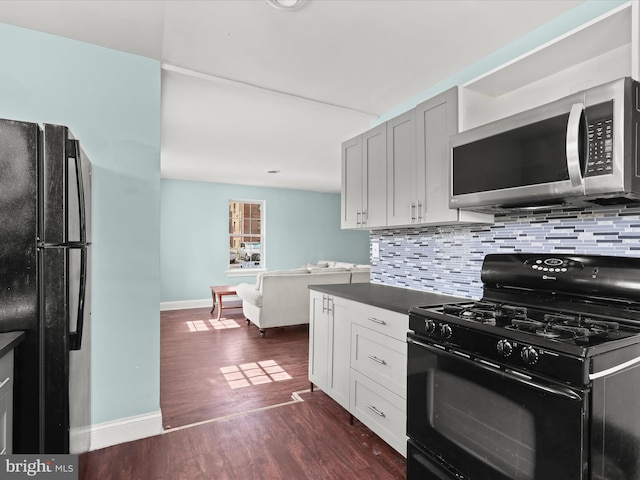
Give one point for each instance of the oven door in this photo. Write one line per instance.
(490, 423)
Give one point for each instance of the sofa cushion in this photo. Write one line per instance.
(361, 268)
(295, 271)
(334, 264)
(327, 269)
(317, 265)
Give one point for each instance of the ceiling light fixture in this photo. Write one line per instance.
(289, 5)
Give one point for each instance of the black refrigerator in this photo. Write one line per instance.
(45, 238)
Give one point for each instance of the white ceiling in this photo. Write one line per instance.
(248, 88)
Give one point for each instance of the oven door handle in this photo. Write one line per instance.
(520, 378)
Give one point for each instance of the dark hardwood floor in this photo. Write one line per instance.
(193, 387)
(229, 413)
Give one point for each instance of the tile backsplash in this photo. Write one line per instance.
(447, 259)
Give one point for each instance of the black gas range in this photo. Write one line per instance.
(552, 345)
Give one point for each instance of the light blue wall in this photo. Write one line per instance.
(300, 227)
(111, 102)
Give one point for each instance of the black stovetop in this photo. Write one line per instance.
(580, 305)
(572, 333)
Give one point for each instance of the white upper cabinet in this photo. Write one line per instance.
(364, 180)
(436, 121)
(596, 52)
(397, 174)
(352, 183)
(401, 170)
(418, 165)
(374, 153)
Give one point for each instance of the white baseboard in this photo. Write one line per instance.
(126, 430)
(184, 304)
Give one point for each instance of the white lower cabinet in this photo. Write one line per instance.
(381, 358)
(358, 356)
(329, 347)
(380, 409)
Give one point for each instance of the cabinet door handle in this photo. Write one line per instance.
(376, 411)
(364, 218)
(419, 211)
(324, 300)
(6, 380)
(376, 359)
(412, 215)
(329, 304)
(377, 320)
(358, 221)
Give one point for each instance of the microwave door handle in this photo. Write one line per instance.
(573, 144)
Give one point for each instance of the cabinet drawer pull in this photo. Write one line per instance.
(376, 359)
(6, 380)
(378, 321)
(375, 410)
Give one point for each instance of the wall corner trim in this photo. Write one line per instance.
(126, 430)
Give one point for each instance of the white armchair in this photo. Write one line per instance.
(281, 298)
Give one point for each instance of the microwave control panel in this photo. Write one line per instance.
(600, 140)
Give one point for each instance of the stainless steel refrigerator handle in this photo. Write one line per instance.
(573, 144)
(75, 338)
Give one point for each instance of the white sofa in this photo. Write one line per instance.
(281, 298)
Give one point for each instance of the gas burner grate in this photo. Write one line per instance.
(561, 326)
(486, 312)
(556, 325)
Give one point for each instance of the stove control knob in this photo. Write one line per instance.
(529, 355)
(430, 326)
(504, 348)
(445, 331)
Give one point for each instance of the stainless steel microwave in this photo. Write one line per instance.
(581, 150)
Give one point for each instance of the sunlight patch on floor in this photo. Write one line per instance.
(223, 323)
(206, 325)
(254, 373)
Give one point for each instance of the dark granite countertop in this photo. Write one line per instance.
(390, 298)
(9, 341)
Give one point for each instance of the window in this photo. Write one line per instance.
(246, 239)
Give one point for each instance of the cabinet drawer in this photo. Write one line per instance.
(384, 412)
(381, 358)
(383, 321)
